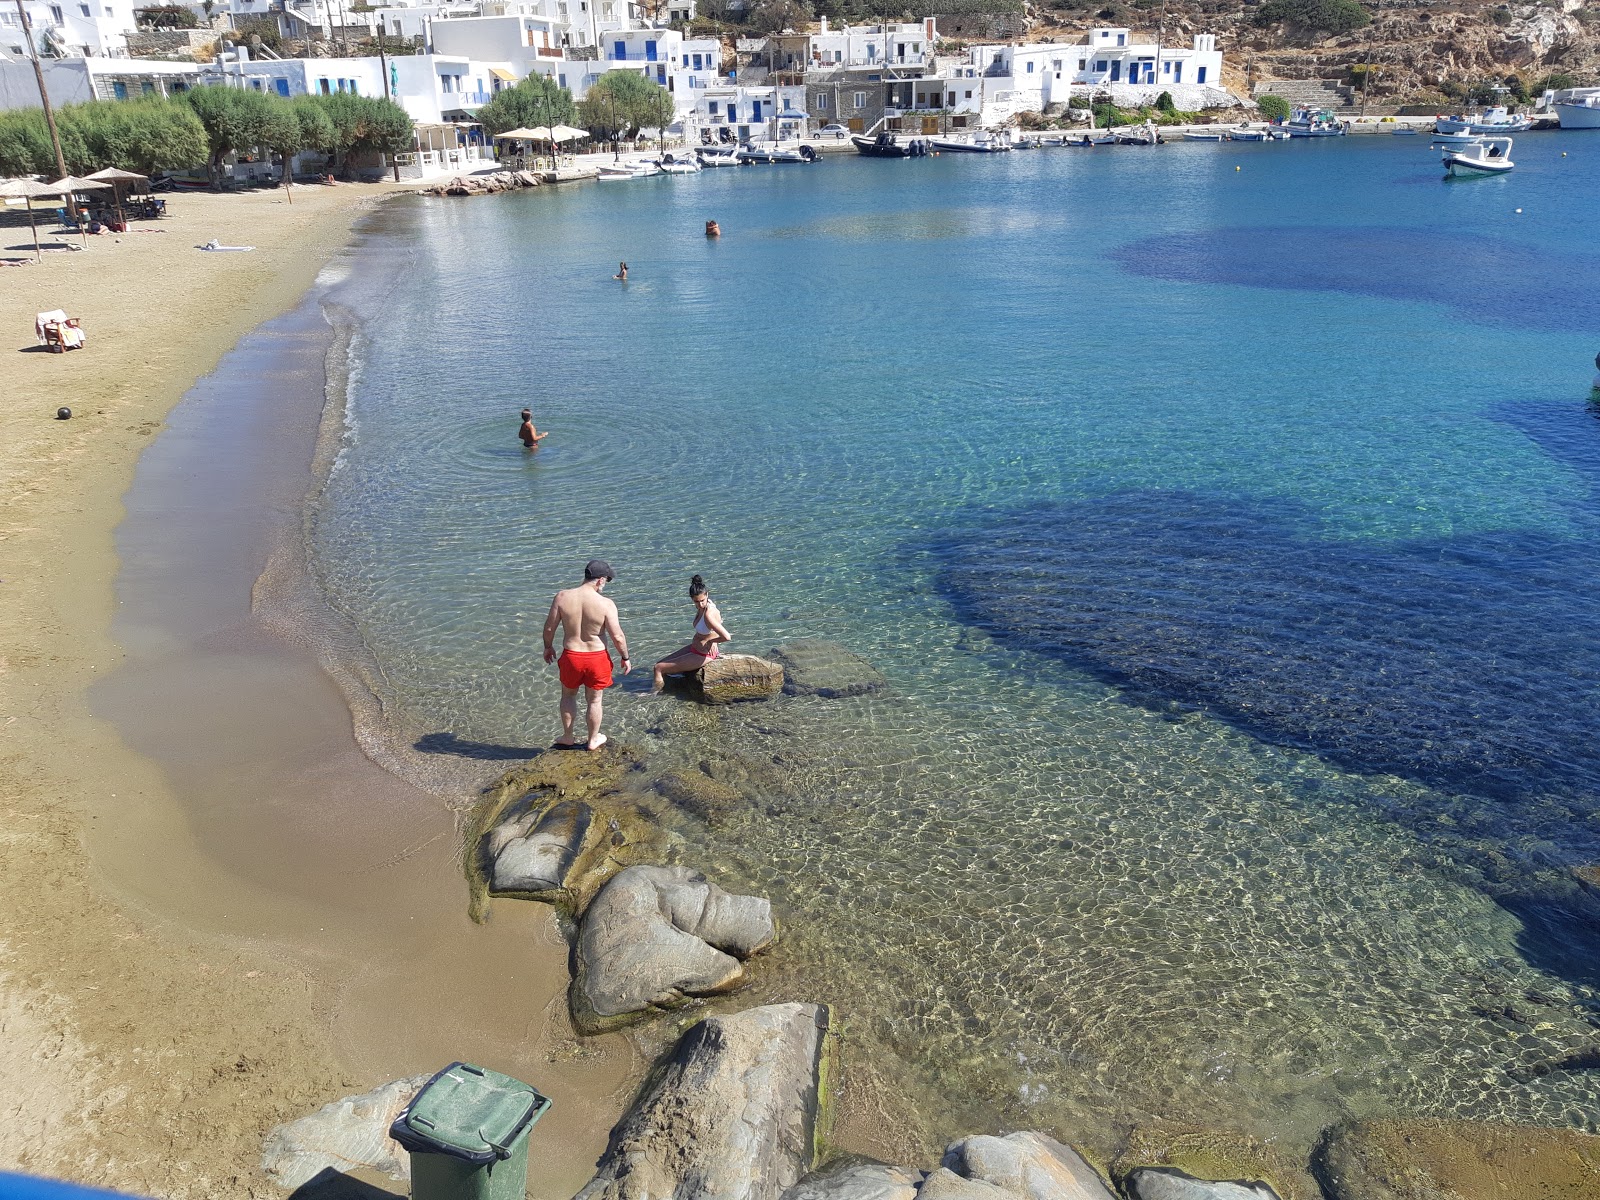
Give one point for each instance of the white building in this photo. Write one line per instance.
(69, 28)
(908, 45)
(74, 80)
(728, 113)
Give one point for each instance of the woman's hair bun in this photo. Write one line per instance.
(697, 582)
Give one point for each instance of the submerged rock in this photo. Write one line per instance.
(1024, 1166)
(533, 848)
(1157, 1183)
(736, 677)
(698, 794)
(656, 936)
(1456, 1160)
(815, 667)
(730, 1114)
(349, 1134)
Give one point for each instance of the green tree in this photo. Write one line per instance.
(365, 125)
(536, 100)
(1165, 104)
(620, 103)
(1273, 108)
(1311, 17)
(25, 143)
(296, 125)
(146, 136)
(234, 119)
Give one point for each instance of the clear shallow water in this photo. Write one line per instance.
(1228, 538)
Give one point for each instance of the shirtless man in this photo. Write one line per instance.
(530, 436)
(586, 619)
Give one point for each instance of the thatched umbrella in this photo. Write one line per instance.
(31, 190)
(119, 179)
(69, 186)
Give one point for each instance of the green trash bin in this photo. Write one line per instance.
(467, 1131)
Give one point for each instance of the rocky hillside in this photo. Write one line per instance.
(1421, 51)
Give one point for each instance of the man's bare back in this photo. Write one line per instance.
(586, 618)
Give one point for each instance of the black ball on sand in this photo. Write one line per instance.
(63, 414)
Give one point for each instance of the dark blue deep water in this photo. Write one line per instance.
(1224, 520)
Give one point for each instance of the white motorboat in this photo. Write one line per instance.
(623, 171)
(717, 156)
(1454, 139)
(1488, 156)
(1579, 110)
(773, 152)
(1312, 123)
(982, 142)
(1496, 120)
(1244, 133)
(679, 164)
(1203, 135)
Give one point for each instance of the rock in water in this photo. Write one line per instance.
(1022, 1166)
(1429, 1159)
(731, 1114)
(655, 936)
(858, 1181)
(814, 667)
(1151, 1183)
(532, 849)
(345, 1135)
(735, 677)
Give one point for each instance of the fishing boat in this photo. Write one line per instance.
(1487, 156)
(773, 152)
(1580, 110)
(1311, 123)
(1496, 120)
(1245, 134)
(889, 145)
(1092, 138)
(1137, 135)
(982, 142)
(1203, 135)
(621, 172)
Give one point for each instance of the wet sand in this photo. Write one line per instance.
(229, 916)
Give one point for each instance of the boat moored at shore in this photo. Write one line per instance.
(1579, 109)
(1485, 156)
(890, 145)
(1310, 123)
(1496, 120)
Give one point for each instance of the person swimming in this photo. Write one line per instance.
(622, 272)
(709, 633)
(713, 230)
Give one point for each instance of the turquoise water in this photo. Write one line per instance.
(1228, 538)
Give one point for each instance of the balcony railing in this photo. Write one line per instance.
(463, 99)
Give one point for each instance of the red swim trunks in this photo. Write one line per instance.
(585, 668)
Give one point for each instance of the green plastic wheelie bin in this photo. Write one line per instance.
(467, 1131)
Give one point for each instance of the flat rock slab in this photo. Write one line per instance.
(730, 1114)
(858, 1181)
(816, 667)
(655, 936)
(347, 1135)
(1019, 1166)
(1161, 1183)
(1457, 1160)
(533, 848)
(737, 677)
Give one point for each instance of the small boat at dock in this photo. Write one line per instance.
(889, 145)
(625, 171)
(982, 142)
(717, 156)
(773, 152)
(1497, 120)
(1203, 135)
(1311, 123)
(1244, 133)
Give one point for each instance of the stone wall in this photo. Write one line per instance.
(170, 43)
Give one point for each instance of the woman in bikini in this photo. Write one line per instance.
(709, 632)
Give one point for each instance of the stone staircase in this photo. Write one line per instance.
(1308, 93)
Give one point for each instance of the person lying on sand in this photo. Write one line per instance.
(709, 632)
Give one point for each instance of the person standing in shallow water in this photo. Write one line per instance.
(622, 272)
(709, 633)
(586, 618)
(530, 436)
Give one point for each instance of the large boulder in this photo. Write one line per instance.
(736, 677)
(656, 936)
(533, 848)
(1019, 1166)
(731, 1114)
(815, 667)
(349, 1134)
(1157, 1183)
(858, 1180)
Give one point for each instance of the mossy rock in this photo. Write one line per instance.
(1457, 1160)
(1207, 1153)
(616, 831)
(699, 795)
(817, 667)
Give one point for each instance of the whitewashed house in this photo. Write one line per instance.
(69, 28)
(727, 113)
(909, 45)
(74, 80)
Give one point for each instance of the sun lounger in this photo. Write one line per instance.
(58, 331)
(216, 246)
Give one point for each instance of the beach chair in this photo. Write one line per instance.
(58, 331)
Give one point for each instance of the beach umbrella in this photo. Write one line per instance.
(537, 134)
(30, 190)
(566, 133)
(119, 179)
(71, 185)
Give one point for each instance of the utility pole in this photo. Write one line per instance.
(44, 98)
(1161, 34)
(1366, 71)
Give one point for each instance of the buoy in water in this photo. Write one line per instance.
(1238, 168)
(1519, 210)
(63, 414)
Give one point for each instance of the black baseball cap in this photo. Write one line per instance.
(599, 568)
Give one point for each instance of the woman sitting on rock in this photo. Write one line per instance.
(709, 632)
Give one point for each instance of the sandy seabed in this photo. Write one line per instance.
(136, 1051)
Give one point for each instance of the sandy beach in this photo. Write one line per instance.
(136, 1051)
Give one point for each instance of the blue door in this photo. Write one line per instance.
(649, 52)
(1177, 72)
(621, 51)
(1116, 71)
(1200, 75)
(755, 110)
(282, 85)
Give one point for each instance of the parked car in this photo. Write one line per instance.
(833, 131)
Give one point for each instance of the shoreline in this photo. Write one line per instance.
(141, 1017)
